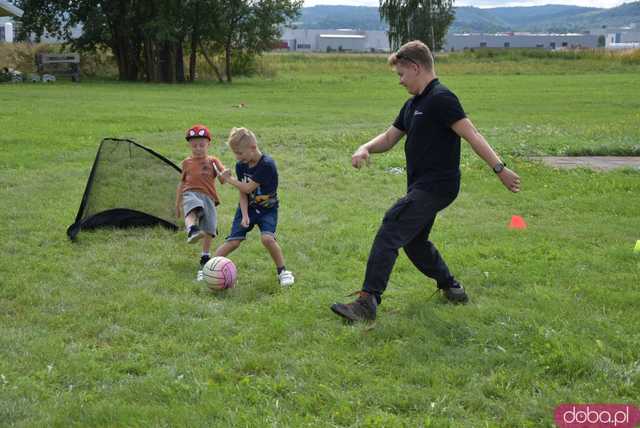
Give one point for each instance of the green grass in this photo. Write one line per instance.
(113, 331)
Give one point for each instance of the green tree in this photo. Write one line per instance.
(426, 20)
(148, 37)
(117, 25)
(243, 29)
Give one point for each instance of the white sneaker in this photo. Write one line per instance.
(200, 276)
(286, 278)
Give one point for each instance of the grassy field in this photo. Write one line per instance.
(113, 330)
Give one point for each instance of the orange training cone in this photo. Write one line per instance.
(517, 222)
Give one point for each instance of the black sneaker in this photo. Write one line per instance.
(362, 309)
(194, 234)
(204, 260)
(454, 292)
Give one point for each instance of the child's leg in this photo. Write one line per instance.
(206, 243)
(268, 223)
(270, 243)
(206, 255)
(227, 248)
(191, 221)
(208, 223)
(192, 218)
(235, 238)
(285, 277)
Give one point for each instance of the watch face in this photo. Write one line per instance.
(498, 168)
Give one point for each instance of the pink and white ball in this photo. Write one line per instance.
(220, 273)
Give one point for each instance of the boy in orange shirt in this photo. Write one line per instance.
(196, 194)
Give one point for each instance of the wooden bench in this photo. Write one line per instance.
(59, 64)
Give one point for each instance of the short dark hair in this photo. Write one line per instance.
(414, 52)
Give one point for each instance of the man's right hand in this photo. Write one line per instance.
(360, 158)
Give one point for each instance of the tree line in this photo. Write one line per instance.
(149, 39)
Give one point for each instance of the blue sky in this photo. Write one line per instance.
(483, 3)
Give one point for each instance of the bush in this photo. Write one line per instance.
(516, 54)
(630, 56)
(4, 76)
(243, 64)
(21, 56)
(99, 64)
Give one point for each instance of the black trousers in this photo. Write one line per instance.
(407, 225)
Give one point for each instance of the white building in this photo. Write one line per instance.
(6, 32)
(341, 42)
(459, 42)
(335, 40)
(623, 40)
(6, 26)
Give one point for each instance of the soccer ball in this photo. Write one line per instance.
(220, 273)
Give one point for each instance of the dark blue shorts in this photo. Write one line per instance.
(266, 220)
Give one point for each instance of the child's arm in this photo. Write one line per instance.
(178, 202)
(219, 168)
(243, 187)
(183, 176)
(244, 209)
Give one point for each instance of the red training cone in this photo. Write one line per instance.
(517, 222)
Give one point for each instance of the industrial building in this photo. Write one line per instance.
(378, 41)
(623, 40)
(459, 42)
(341, 40)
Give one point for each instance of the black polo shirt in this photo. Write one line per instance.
(432, 148)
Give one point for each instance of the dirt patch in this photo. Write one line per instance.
(598, 163)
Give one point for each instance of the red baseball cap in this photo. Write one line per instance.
(198, 131)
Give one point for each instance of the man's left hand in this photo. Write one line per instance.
(510, 179)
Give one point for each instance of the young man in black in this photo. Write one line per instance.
(433, 121)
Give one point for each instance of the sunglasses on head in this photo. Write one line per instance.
(406, 58)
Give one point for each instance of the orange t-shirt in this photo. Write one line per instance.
(199, 175)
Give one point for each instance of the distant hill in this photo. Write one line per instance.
(549, 18)
(354, 17)
(475, 20)
(523, 16)
(621, 16)
(534, 18)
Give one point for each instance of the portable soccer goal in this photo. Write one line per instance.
(129, 186)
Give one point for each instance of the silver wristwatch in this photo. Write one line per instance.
(497, 168)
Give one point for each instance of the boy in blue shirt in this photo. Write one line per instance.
(257, 181)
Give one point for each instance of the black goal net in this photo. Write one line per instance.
(129, 186)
